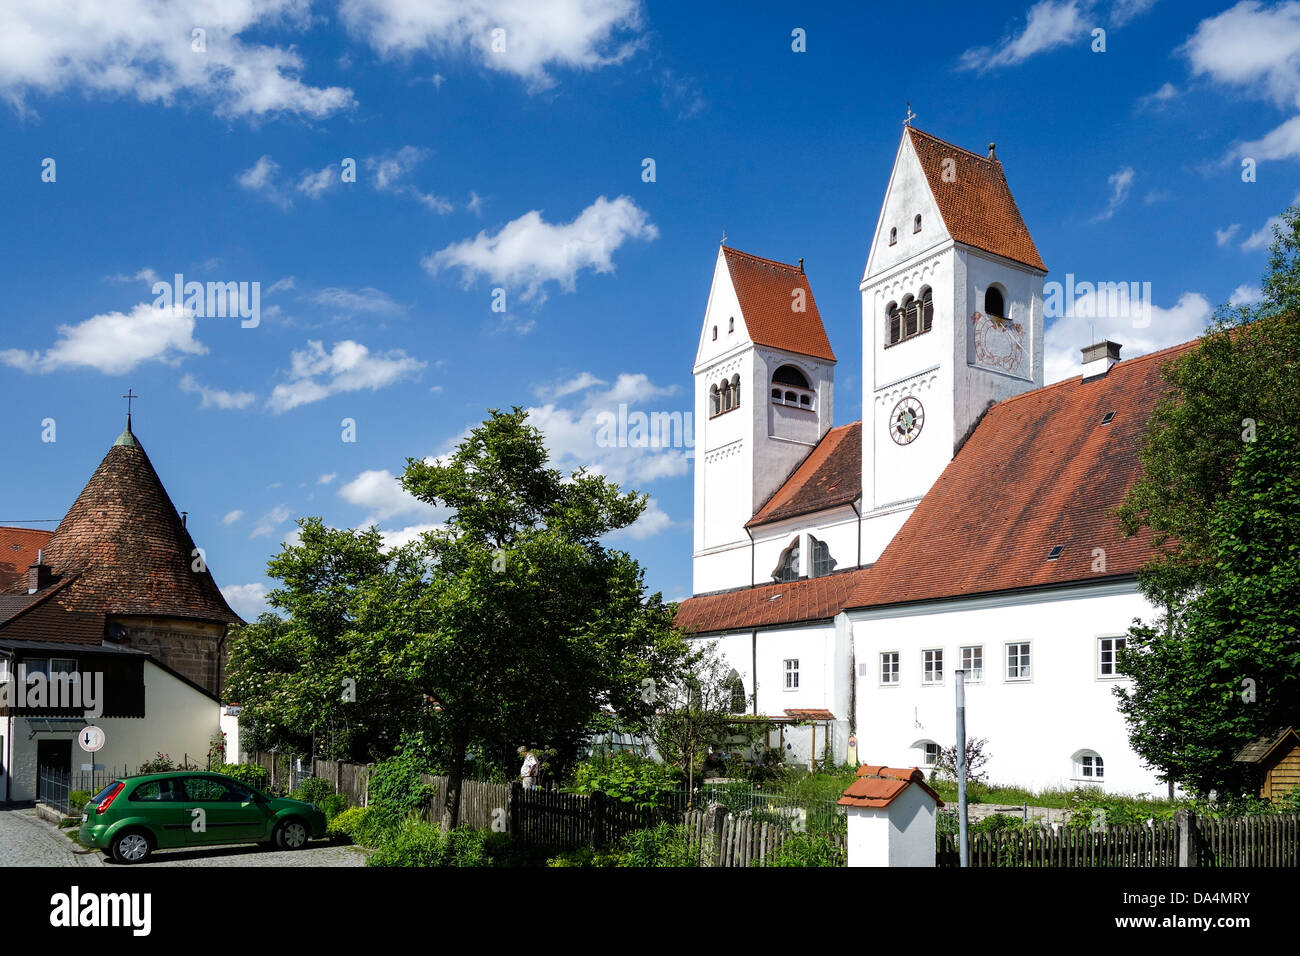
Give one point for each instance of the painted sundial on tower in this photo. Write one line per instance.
(906, 420)
(999, 343)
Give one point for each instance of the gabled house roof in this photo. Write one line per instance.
(1040, 472)
(831, 475)
(786, 602)
(765, 289)
(974, 199)
(878, 787)
(18, 549)
(121, 549)
(1259, 750)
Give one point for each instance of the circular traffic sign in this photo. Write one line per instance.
(90, 738)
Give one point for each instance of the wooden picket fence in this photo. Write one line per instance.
(483, 806)
(1272, 840)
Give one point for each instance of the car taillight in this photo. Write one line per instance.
(112, 794)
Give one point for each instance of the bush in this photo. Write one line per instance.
(251, 774)
(77, 800)
(395, 786)
(806, 849)
(636, 781)
(313, 790)
(160, 763)
(662, 845)
(586, 856)
(333, 805)
(345, 824)
(416, 843)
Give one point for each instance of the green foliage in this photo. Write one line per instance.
(663, 845)
(159, 763)
(254, 775)
(639, 781)
(346, 823)
(313, 790)
(807, 849)
(416, 843)
(395, 787)
(217, 749)
(586, 856)
(333, 805)
(77, 800)
(1224, 669)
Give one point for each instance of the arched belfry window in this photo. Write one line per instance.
(734, 387)
(916, 223)
(914, 317)
(911, 317)
(894, 321)
(731, 324)
(787, 568)
(927, 309)
(724, 396)
(822, 562)
(994, 303)
(790, 386)
(893, 235)
(715, 401)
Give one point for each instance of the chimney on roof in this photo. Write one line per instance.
(39, 574)
(1098, 359)
(993, 150)
(184, 514)
(801, 265)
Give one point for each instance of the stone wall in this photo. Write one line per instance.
(193, 649)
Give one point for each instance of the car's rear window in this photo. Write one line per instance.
(156, 790)
(95, 800)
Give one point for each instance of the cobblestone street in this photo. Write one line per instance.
(26, 840)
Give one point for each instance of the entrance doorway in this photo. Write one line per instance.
(53, 756)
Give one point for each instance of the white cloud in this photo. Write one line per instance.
(575, 34)
(1262, 237)
(1245, 295)
(1280, 143)
(263, 179)
(144, 275)
(381, 494)
(1068, 334)
(530, 252)
(1250, 46)
(247, 600)
(652, 521)
(349, 367)
(401, 536)
(1122, 11)
(232, 516)
(325, 479)
(280, 285)
(574, 435)
(1120, 183)
(1224, 236)
(216, 397)
(1049, 24)
(475, 204)
(315, 183)
(144, 49)
(580, 382)
(389, 173)
(114, 343)
(1158, 99)
(270, 521)
(350, 301)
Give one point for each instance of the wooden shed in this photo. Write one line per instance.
(1276, 758)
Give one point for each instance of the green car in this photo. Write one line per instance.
(133, 816)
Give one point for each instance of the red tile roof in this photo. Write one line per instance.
(806, 713)
(878, 787)
(18, 547)
(831, 475)
(125, 551)
(765, 289)
(811, 599)
(1040, 471)
(975, 201)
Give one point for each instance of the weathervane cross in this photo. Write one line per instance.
(130, 397)
(910, 115)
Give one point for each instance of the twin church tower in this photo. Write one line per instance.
(952, 322)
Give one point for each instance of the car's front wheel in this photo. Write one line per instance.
(131, 847)
(291, 834)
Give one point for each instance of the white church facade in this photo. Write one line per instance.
(847, 571)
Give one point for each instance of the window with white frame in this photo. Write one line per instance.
(1088, 765)
(1108, 649)
(932, 666)
(972, 662)
(931, 750)
(1018, 661)
(791, 673)
(889, 667)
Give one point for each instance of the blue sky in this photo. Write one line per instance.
(520, 168)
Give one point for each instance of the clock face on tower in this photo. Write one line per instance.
(905, 421)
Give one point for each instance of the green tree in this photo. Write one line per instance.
(515, 617)
(1226, 668)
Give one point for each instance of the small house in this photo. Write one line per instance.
(1276, 759)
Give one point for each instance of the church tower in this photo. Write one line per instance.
(764, 397)
(952, 321)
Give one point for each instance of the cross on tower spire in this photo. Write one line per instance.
(910, 115)
(130, 396)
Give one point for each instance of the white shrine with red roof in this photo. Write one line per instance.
(847, 571)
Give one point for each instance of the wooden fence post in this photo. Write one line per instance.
(512, 809)
(597, 805)
(714, 821)
(1186, 837)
